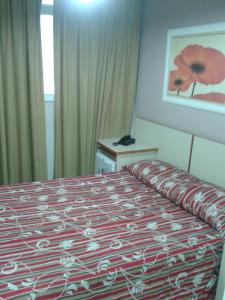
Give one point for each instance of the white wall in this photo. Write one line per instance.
(49, 121)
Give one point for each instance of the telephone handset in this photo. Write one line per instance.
(125, 141)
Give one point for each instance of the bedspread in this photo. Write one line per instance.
(102, 237)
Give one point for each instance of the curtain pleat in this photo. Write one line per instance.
(96, 57)
(22, 120)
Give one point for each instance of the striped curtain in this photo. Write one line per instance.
(22, 123)
(96, 58)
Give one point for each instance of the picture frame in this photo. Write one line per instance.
(195, 67)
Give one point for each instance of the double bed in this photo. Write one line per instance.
(150, 231)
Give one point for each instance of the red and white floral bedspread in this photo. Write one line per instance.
(103, 237)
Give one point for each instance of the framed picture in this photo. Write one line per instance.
(195, 67)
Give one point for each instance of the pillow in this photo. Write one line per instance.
(206, 201)
(202, 199)
(173, 184)
(150, 168)
(160, 175)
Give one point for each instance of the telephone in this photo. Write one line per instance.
(125, 141)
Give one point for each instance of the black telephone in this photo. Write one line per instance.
(125, 141)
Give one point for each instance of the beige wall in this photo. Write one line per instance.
(158, 16)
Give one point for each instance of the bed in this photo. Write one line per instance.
(149, 231)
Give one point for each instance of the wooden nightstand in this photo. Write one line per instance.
(122, 155)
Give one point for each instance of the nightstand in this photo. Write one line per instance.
(113, 158)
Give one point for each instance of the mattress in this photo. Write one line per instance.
(102, 237)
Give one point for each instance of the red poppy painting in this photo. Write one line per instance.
(195, 67)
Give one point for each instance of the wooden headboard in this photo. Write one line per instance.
(201, 157)
(208, 161)
(174, 145)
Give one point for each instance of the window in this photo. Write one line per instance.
(48, 76)
(47, 49)
(48, 2)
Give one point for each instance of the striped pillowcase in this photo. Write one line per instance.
(160, 175)
(202, 199)
(173, 185)
(206, 201)
(145, 170)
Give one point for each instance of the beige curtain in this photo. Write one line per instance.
(96, 57)
(22, 126)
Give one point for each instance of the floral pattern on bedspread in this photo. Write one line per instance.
(102, 237)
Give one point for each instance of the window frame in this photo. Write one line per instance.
(47, 9)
